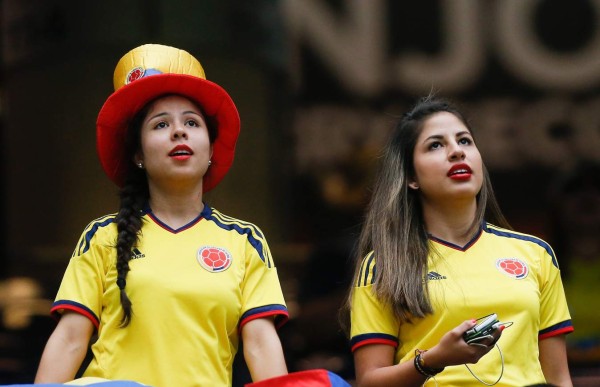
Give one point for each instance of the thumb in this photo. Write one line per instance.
(466, 325)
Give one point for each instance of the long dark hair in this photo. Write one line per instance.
(133, 198)
(394, 228)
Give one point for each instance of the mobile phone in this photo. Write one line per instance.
(483, 328)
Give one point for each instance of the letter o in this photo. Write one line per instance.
(526, 56)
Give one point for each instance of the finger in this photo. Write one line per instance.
(497, 333)
(466, 325)
(483, 341)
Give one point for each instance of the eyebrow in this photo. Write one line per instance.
(155, 116)
(190, 112)
(439, 136)
(166, 114)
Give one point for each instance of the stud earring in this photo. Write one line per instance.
(140, 165)
(209, 162)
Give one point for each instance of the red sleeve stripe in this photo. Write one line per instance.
(562, 331)
(75, 307)
(372, 338)
(557, 329)
(279, 311)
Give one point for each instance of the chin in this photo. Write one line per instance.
(465, 193)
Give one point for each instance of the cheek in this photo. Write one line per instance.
(149, 145)
(203, 142)
(477, 166)
(478, 163)
(423, 167)
(144, 139)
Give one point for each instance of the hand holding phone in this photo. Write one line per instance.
(483, 329)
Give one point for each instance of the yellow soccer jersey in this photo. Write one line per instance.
(511, 274)
(192, 290)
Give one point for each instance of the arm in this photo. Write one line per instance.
(553, 358)
(262, 349)
(375, 367)
(375, 363)
(65, 349)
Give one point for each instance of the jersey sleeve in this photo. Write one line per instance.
(554, 312)
(82, 285)
(261, 290)
(371, 322)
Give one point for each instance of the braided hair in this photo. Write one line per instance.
(133, 198)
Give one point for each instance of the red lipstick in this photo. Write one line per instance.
(460, 172)
(181, 152)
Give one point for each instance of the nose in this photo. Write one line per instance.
(178, 132)
(456, 152)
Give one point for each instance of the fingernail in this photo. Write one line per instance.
(501, 327)
(473, 320)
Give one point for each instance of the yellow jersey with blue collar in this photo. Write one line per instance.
(192, 290)
(499, 271)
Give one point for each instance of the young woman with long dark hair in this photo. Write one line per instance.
(435, 254)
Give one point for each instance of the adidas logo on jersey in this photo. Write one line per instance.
(433, 276)
(136, 254)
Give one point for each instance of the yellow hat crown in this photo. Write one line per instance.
(152, 59)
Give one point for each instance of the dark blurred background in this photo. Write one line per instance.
(319, 84)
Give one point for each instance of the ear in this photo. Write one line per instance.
(414, 185)
(210, 151)
(138, 158)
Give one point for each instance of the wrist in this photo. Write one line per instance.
(432, 358)
(423, 367)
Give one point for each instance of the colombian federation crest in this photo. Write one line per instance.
(134, 75)
(513, 267)
(214, 259)
(139, 73)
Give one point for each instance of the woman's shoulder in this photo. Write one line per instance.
(102, 220)
(512, 234)
(367, 271)
(102, 225)
(231, 223)
(520, 237)
(101, 231)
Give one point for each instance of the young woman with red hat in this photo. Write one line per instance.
(168, 284)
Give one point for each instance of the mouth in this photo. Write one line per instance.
(181, 151)
(460, 172)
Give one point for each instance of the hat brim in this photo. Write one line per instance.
(121, 106)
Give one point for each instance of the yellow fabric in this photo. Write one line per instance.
(467, 283)
(154, 56)
(184, 330)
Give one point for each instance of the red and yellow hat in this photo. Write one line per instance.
(145, 73)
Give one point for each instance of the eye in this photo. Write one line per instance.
(465, 141)
(192, 123)
(435, 145)
(161, 125)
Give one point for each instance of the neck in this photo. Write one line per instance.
(451, 223)
(176, 206)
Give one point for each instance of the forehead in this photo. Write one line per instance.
(442, 123)
(175, 103)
